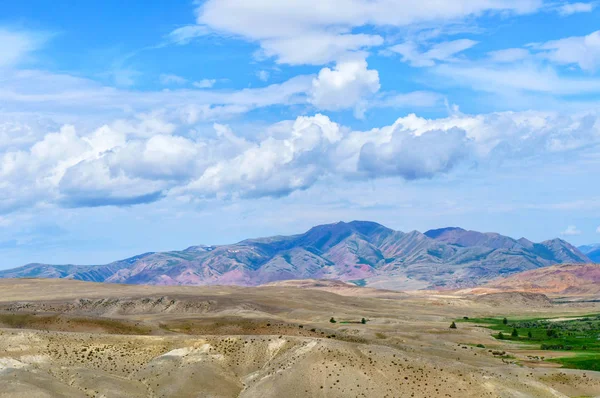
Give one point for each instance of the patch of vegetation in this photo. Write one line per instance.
(583, 361)
(581, 336)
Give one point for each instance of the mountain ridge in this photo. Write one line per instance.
(364, 252)
(592, 251)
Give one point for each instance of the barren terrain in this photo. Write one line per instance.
(63, 338)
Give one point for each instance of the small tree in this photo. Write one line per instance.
(453, 325)
(363, 321)
(505, 321)
(529, 334)
(515, 333)
(332, 320)
(501, 336)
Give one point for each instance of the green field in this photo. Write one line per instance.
(580, 336)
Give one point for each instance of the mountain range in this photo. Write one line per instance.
(361, 252)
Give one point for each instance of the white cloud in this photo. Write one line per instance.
(598, 230)
(321, 31)
(204, 83)
(148, 157)
(444, 51)
(317, 48)
(508, 55)
(17, 45)
(346, 86)
(515, 78)
(38, 91)
(574, 8)
(571, 231)
(583, 51)
(415, 156)
(185, 34)
(263, 75)
(167, 79)
(273, 167)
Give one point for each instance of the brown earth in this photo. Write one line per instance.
(61, 338)
(569, 279)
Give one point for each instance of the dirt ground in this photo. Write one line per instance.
(62, 338)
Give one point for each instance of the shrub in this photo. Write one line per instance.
(453, 325)
(363, 321)
(505, 321)
(514, 333)
(529, 334)
(332, 320)
(501, 336)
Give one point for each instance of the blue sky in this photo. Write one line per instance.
(128, 127)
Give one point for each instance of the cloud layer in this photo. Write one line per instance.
(142, 160)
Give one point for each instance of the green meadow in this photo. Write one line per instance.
(579, 336)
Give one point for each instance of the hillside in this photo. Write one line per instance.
(568, 279)
(364, 253)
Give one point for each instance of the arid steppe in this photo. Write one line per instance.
(64, 338)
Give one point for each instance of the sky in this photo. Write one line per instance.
(136, 126)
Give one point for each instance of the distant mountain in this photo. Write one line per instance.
(365, 253)
(592, 251)
(567, 279)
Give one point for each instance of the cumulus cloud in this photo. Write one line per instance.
(444, 51)
(583, 51)
(415, 156)
(146, 158)
(346, 86)
(571, 231)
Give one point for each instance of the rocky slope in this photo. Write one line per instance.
(364, 253)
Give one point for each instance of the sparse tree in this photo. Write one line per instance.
(501, 336)
(505, 321)
(363, 321)
(332, 320)
(529, 334)
(453, 325)
(515, 333)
